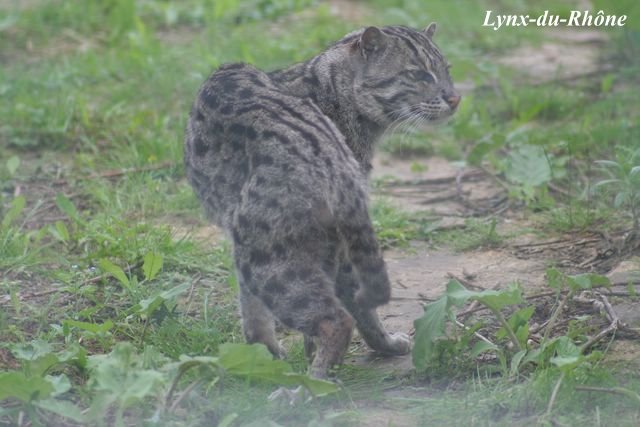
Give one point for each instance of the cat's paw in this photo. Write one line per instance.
(399, 343)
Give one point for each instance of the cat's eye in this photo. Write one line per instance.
(423, 75)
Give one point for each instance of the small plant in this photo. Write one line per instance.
(121, 380)
(438, 328)
(624, 179)
(397, 228)
(476, 233)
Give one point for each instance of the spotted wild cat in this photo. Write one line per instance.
(280, 161)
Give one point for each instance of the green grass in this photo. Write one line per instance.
(476, 234)
(92, 87)
(397, 228)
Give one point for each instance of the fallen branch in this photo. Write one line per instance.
(611, 316)
(554, 316)
(431, 181)
(476, 334)
(465, 282)
(551, 242)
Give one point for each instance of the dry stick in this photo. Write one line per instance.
(474, 309)
(186, 391)
(431, 181)
(439, 199)
(196, 279)
(613, 327)
(561, 243)
(539, 327)
(465, 282)
(552, 242)
(479, 336)
(554, 316)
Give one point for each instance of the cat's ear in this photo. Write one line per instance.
(372, 41)
(430, 30)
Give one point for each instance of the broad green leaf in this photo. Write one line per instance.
(555, 279)
(428, 329)
(13, 164)
(67, 207)
(528, 165)
(481, 347)
(533, 356)
(96, 328)
(519, 323)
(38, 367)
(60, 231)
(620, 198)
(187, 362)
(253, 361)
(152, 265)
(315, 386)
(516, 360)
(60, 383)
(481, 149)
(17, 385)
(587, 281)
(567, 362)
(117, 272)
(74, 354)
(256, 362)
(566, 348)
(119, 376)
(147, 306)
(634, 171)
(31, 350)
(17, 206)
(63, 408)
(493, 299)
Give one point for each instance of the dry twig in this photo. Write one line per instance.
(611, 316)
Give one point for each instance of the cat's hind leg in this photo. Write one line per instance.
(258, 324)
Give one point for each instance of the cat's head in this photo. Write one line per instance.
(400, 75)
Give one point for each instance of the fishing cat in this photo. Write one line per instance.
(280, 160)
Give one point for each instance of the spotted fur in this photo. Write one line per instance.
(280, 161)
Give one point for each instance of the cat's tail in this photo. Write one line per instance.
(366, 258)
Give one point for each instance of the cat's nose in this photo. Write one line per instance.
(453, 100)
